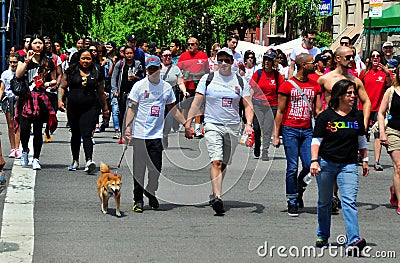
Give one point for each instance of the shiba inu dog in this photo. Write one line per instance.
(108, 185)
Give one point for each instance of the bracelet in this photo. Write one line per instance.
(314, 161)
(365, 159)
(249, 123)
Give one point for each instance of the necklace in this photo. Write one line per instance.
(84, 77)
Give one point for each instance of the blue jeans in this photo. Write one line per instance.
(115, 113)
(346, 176)
(297, 143)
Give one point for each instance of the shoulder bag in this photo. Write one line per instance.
(20, 86)
(305, 99)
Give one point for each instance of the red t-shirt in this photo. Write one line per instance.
(297, 113)
(21, 53)
(193, 67)
(374, 84)
(267, 87)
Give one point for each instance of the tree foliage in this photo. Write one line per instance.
(161, 20)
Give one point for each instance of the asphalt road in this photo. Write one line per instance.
(68, 226)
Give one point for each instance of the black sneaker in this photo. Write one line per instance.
(138, 207)
(320, 243)
(293, 210)
(264, 156)
(355, 248)
(300, 202)
(335, 205)
(218, 206)
(153, 202)
(257, 152)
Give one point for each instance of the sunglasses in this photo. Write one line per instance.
(348, 57)
(93, 50)
(250, 57)
(226, 60)
(344, 43)
(191, 44)
(13, 62)
(167, 55)
(351, 93)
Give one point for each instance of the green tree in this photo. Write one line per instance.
(162, 20)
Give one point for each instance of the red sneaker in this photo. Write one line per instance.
(393, 197)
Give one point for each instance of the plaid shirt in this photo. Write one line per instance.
(31, 109)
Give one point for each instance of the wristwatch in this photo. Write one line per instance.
(251, 124)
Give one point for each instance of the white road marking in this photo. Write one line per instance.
(17, 229)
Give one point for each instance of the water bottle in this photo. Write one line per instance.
(250, 140)
(130, 72)
(307, 179)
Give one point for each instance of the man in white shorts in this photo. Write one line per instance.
(222, 91)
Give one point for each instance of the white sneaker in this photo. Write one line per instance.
(12, 153)
(24, 159)
(117, 135)
(36, 164)
(90, 167)
(18, 153)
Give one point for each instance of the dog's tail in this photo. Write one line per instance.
(104, 168)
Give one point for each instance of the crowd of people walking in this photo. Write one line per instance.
(315, 103)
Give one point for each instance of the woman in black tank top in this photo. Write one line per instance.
(390, 137)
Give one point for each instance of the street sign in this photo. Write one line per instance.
(325, 8)
(375, 8)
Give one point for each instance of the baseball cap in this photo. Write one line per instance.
(387, 44)
(226, 51)
(112, 43)
(153, 61)
(71, 50)
(130, 37)
(270, 55)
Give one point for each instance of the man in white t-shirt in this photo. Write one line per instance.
(144, 124)
(238, 65)
(222, 91)
(307, 46)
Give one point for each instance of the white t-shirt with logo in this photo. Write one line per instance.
(151, 99)
(6, 77)
(222, 97)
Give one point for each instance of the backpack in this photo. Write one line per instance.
(276, 76)
(211, 76)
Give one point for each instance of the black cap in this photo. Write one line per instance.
(112, 43)
(130, 37)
